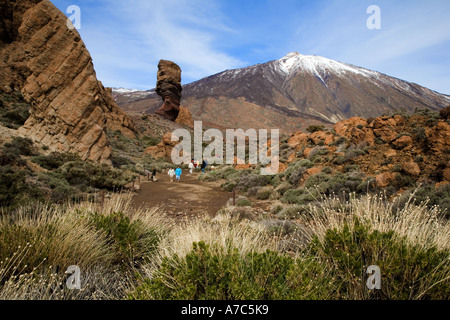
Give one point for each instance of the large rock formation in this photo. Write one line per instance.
(49, 63)
(169, 88)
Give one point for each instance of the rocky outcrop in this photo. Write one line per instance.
(185, 117)
(49, 63)
(169, 88)
(164, 149)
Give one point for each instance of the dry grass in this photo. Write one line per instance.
(416, 260)
(38, 244)
(420, 225)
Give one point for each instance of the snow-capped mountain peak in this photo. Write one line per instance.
(318, 65)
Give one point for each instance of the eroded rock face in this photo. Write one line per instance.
(169, 88)
(50, 65)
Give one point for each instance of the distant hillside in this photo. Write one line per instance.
(292, 93)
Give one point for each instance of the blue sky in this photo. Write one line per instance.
(127, 38)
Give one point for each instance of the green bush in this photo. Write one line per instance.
(12, 186)
(14, 110)
(318, 151)
(213, 273)
(243, 202)
(265, 193)
(87, 173)
(55, 160)
(150, 141)
(428, 193)
(301, 196)
(315, 128)
(293, 212)
(252, 180)
(134, 242)
(119, 161)
(407, 270)
(20, 146)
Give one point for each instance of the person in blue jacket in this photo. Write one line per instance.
(178, 173)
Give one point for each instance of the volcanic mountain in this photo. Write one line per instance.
(291, 93)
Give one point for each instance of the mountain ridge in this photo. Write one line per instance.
(312, 88)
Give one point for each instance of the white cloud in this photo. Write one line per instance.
(186, 32)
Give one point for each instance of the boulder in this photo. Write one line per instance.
(384, 179)
(404, 142)
(412, 168)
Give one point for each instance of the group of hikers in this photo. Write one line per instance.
(178, 172)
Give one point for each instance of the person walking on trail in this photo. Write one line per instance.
(204, 165)
(178, 173)
(171, 174)
(154, 175)
(191, 168)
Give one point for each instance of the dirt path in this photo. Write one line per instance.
(189, 197)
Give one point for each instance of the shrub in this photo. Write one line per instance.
(119, 161)
(340, 141)
(61, 190)
(55, 160)
(315, 128)
(301, 196)
(327, 170)
(20, 146)
(133, 242)
(407, 270)
(212, 273)
(265, 193)
(252, 180)
(318, 151)
(293, 212)
(243, 202)
(12, 186)
(150, 141)
(282, 188)
(427, 194)
(420, 134)
(87, 173)
(353, 153)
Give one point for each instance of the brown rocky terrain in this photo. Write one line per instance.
(49, 64)
(387, 148)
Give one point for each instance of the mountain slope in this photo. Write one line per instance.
(311, 88)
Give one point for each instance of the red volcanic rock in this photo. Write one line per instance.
(384, 129)
(412, 168)
(50, 65)
(404, 142)
(355, 130)
(164, 149)
(384, 179)
(318, 136)
(169, 88)
(185, 117)
(298, 140)
(439, 137)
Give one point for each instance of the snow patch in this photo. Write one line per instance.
(124, 90)
(318, 66)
